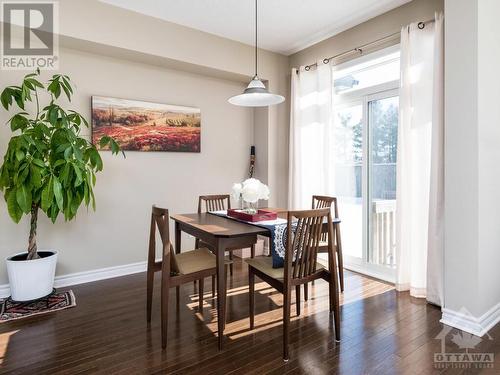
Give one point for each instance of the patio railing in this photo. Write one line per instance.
(383, 233)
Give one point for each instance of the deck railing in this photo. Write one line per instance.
(383, 249)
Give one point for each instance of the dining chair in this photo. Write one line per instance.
(176, 269)
(322, 201)
(300, 267)
(217, 202)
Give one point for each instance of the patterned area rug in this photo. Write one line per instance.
(11, 310)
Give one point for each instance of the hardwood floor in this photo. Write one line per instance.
(383, 332)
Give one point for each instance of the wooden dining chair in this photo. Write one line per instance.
(322, 201)
(176, 269)
(218, 202)
(300, 268)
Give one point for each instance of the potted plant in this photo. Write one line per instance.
(48, 167)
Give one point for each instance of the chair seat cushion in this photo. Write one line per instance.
(195, 261)
(265, 265)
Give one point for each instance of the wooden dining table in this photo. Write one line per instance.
(221, 233)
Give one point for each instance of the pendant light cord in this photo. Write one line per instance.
(256, 38)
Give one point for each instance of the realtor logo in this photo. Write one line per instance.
(29, 35)
(463, 353)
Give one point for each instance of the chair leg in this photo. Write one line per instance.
(200, 295)
(251, 295)
(231, 265)
(286, 322)
(213, 286)
(297, 297)
(149, 299)
(252, 251)
(164, 311)
(340, 257)
(334, 304)
(177, 294)
(306, 291)
(225, 298)
(341, 270)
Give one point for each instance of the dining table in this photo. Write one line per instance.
(223, 233)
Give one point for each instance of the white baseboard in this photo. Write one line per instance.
(88, 276)
(465, 321)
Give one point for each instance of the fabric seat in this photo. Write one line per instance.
(195, 261)
(265, 265)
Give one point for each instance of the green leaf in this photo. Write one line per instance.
(6, 98)
(53, 212)
(15, 211)
(23, 197)
(39, 162)
(104, 141)
(47, 195)
(18, 121)
(19, 155)
(35, 176)
(58, 193)
(78, 173)
(34, 82)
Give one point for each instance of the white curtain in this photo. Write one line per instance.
(420, 169)
(310, 134)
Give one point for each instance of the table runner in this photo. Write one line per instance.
(277, 230)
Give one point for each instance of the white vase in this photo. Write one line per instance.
(31, 279)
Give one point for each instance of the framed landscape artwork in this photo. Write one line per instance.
(144, 126)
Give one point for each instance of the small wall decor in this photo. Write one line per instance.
(144, 126)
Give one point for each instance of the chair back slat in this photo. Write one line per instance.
(214, 202)
(323, 201)
(303, 242)
(160, 222)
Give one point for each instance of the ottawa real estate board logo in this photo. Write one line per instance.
(461, 350)
(29, 35)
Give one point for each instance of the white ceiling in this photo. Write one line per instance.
(285, 26)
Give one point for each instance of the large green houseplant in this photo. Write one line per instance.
(48, 166)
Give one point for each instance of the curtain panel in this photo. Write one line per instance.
(420, 167)
(311, 133)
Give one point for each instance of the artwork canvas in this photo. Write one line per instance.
(144, 126)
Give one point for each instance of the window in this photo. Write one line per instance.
(366, 104)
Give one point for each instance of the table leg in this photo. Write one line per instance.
(221, 293)
(178, 234)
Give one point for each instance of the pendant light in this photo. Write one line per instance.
(256, 94)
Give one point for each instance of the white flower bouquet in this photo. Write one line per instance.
(250, 191)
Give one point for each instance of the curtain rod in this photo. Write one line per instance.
(360, 49)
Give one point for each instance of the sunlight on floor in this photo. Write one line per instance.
(358, 290)
(4, 343)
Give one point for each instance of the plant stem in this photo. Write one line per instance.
(37, 106)
(32, 249)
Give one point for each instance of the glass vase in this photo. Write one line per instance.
(250, 207)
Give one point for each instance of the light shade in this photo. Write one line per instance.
(256, 95)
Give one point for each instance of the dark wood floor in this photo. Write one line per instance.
(383, 332)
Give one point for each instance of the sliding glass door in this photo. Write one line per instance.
(365, 154)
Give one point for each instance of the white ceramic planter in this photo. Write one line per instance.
(31, 279)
